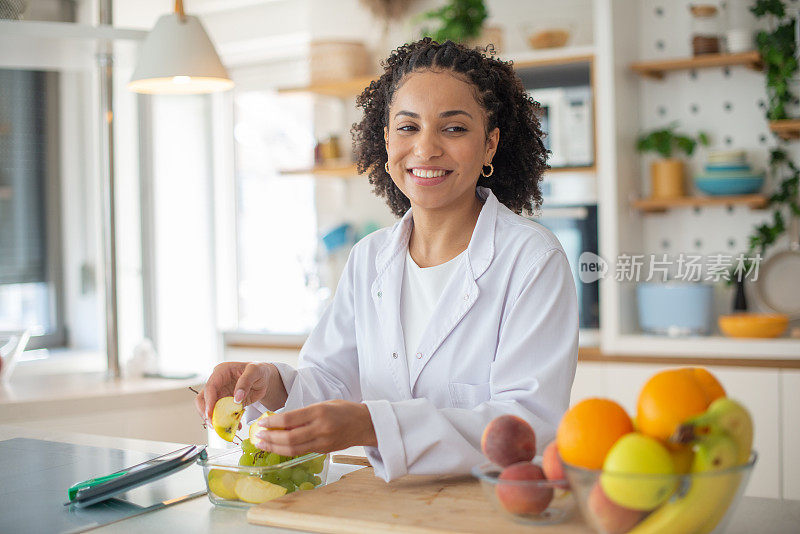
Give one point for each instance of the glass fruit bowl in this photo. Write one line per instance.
(534, 502)
(232, 484)
(694, 502)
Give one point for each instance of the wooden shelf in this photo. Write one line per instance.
(659, 205)
(343, 169)
(523, 60)
(550, 57)
(787, 129)
(343, 89)
(591, 169)
(657, 69)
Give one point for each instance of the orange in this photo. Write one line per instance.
(672, 396)
(589, 429)
(709, 383)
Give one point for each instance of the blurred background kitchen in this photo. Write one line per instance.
(146, 236)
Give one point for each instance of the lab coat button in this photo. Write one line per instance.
(419, 355)
(394, 355)
(466, 297)
(380, 294)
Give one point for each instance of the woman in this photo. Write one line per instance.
(460, 312)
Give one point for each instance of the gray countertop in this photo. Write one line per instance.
(199, 516)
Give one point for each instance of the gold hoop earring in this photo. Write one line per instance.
(491, 170)
(386, 166)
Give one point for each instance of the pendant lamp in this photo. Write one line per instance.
(178, 58)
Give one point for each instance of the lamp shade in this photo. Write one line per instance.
(178, 57)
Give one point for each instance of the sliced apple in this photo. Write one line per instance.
(255, 427)
(222, 483)
(254, 490)
(226, 416)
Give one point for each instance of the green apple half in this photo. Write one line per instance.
(255, 427)
(226, 416)
(222, 483)
(254, 490)
(637, 472)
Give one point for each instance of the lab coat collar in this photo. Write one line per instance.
(481, 246)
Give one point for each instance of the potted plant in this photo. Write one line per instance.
(666, 173)
(462, 21)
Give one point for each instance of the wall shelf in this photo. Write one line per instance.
(787, 129)
(349, 169)
(651, 205)
(523, 60)
(550, 57)
(343, 89)
(658, 69)
(343, 169)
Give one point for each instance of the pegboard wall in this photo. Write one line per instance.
(729, 104)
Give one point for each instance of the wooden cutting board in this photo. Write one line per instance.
(362, 503)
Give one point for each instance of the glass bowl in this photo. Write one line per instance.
(694, 502)
(532, 502)
(231, 484)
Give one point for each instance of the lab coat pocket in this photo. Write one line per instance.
(468, 395)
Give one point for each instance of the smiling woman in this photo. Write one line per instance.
(461, 312)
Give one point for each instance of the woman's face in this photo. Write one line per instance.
(436, 140)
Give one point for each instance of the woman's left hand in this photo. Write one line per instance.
(323, 427)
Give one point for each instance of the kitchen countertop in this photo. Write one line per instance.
(200, 516)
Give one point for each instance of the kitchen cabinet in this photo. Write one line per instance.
(790, 439)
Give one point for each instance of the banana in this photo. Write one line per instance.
(706, 494)
(723, 415)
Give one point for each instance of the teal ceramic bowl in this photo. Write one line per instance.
(729, 185)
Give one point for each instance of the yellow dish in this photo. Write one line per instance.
(753, 324)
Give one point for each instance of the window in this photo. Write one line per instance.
(279, 285)
(31, 288)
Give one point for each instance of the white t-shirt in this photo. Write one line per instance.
(422, 288)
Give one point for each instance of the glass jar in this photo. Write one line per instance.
(706, 29)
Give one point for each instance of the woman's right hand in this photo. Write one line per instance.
(245, 382)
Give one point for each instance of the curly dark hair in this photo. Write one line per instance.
(521, 157)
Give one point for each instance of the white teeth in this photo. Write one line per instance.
(427, 174)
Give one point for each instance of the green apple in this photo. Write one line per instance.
(255, 427)
(226, 416)
(254, 490)
(637, 472)
(223, 483)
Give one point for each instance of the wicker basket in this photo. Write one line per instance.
(335, 61)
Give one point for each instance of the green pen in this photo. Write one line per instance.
(73, 491)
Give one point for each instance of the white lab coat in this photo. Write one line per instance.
(503, 339)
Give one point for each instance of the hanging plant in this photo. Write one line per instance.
(778, 50)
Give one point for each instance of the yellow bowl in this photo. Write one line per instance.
(753, 324)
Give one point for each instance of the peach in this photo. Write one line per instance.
(508, 440)
(551, 464)
(523, 498)
(609, 516)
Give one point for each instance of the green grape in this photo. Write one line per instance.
(306, 486)
(246, 459)
(273, 459)
(316, 465)
(288, 484)
(284, 474)
(248, 447)
(271, 477)
(299, 476)
(316, 480)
